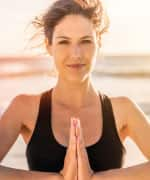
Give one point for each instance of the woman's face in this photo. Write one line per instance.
(74, 48)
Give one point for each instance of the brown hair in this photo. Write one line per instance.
(93, 10)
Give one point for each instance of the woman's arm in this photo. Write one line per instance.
(7, 173)
(10, 127)
(138, 128)
(138, 172)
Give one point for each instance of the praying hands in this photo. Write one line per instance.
(76, 163)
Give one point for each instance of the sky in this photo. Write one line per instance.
(128, 33)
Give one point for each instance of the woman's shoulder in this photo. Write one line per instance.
(26, 103)
(28, 98)
(117, 99)
(122, 102)
(28, 106)
(25, 100)
(121, 105)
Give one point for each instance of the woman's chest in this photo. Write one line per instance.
(91, 124)
(92, 127)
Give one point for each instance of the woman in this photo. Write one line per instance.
(73, 131)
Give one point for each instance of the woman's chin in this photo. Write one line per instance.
(77, 80)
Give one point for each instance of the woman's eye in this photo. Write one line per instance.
(63, 42)
(86, 41)
(82, 42)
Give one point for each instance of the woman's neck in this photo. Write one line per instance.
(74, 95)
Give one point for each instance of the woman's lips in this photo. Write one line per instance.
(76, 65)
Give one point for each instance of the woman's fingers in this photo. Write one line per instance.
(69, 171)
(72, 137)
(80, 139)
(84, 170)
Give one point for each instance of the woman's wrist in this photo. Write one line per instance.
(100, 176)
(55, 176)
(60, 177)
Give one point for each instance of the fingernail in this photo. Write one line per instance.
(78, 123)
(74, 122)
(78, 139)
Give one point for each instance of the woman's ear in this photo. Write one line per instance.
(48, 47)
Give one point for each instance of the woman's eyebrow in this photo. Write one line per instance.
(65, 37)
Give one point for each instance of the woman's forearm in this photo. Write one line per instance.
(138, 172)
(16, 174)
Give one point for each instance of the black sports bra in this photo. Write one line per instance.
(44, 153)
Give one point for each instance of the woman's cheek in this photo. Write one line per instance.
(88, 50)
(59, 53)
(61, 48)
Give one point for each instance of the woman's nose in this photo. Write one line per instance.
(75, 51)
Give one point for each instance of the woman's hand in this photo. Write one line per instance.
(84, 170)
(69, 171)
(76, 164)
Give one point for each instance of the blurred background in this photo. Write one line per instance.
(123, 66)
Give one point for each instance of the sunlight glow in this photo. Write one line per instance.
(129, 30)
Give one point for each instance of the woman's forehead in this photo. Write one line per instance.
(74, 25)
